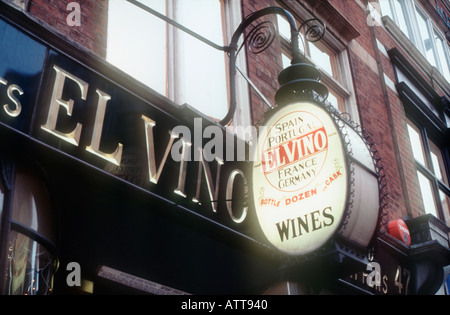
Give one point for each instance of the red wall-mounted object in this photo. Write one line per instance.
(399, 230)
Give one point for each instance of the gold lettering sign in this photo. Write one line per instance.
(56, 102)
(179, 146)
(73, 137)
(94, 147)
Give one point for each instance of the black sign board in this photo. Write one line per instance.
(152, 144)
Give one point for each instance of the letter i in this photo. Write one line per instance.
(293, 228)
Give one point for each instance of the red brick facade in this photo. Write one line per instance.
(92, 31)
(382, 119)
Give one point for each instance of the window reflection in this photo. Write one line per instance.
(431, 172)
(397, 11)
(141, 54)
(426, 37)
(402, 17)
(445, 200)
(386, 8)
(427, 194)
(440, 46)
(417, 24)
(416, 144)
(31, 206)
(321, 57)
(30, 267)
(168, 60)
(30, 256)
(438, 162)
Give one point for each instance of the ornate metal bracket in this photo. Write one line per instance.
(258, 42)
(314, 29)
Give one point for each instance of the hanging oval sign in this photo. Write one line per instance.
(300, 178)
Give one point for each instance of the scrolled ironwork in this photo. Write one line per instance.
(232, 50)
(382, 181)
(261, 37)
(314, 29)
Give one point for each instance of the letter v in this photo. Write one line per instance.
(152, 173)
(290, 153)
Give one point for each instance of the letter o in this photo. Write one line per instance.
(320, 140)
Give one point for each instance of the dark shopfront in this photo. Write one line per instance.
(89, 184)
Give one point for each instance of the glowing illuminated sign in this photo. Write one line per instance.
(300, 178)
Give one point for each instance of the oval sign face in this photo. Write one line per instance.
(300, 178)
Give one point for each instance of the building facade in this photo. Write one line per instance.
(120, 174)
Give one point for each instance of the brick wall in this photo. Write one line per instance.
(412, 194)
(92, 29)
(382, 113)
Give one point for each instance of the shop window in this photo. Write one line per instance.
(431, 173)
(171, 61)
(333, 65)
(30, 253)
(415, 23)
(31, 267)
